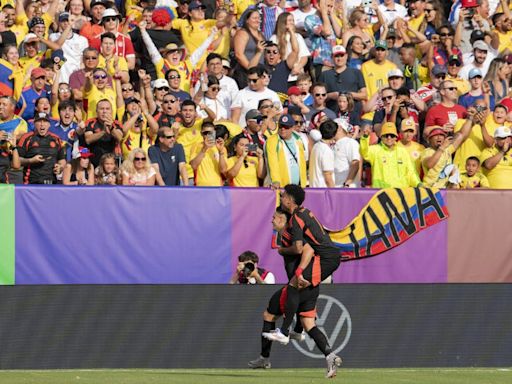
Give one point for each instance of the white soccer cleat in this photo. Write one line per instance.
(297, 336)
(333, 362)
(276, 335)
(260, 362)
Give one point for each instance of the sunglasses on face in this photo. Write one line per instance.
(254, 81)
(386, 98)
(139, 159)
(445, 34)
(441, 77)
(215, 89)
(98, 77)
(90, 57)
(126, 89)
(389, 136)
(169, 101)
(320, 94)
(170, 137)
(454, 64)
(298, 122)
(110, 18)
(166, 89)
(172, 77)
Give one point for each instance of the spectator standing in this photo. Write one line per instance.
(27, 101)
(479, 91)
(170, 158)
(41, 153)
(321, 160)
(347, 158)
(446, 113)
(497, 160)
(408, 133)
(454, 67)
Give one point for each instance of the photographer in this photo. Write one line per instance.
(248, 272)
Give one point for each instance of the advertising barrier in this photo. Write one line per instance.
(219, 326)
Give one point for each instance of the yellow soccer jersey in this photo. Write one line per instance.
(188, 137)
(478, 180)
(207, 174)
(248, 175)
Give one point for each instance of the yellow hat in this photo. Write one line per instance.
(408, 124)
(388, 128)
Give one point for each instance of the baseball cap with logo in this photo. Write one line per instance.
(477, 34)
(502, 132)
(338, 50)
(408, 125)
(82, 153)
(41, 116)
(286, 121)
(381, 44)
(455, 58)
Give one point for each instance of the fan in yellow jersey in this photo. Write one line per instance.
(174, 57)
(497, 161)
(116, 66)
(244, 170)
(139, 127)
(375, 72)
(12, 73)
(408, 133)
(471, 177)
(96, 89)
(209, 158)
(33, 11)
(188, 131)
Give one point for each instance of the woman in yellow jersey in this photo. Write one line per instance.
(12, 72)
(244, 170)
(139, 127)
(359, 26)
(175, 58)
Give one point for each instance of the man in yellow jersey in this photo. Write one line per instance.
(375, 72)
(497, 161)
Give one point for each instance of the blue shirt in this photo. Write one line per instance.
(30, 96)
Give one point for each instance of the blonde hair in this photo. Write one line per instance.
(280, 33)
(128, 166)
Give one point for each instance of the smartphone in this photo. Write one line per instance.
(252, 147)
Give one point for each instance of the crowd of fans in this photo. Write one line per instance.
(248, 93)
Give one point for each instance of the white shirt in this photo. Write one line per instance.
(228, 91)
(216, 106)
(346, 150)
(248, 99)
(391, 14)
(464, 72)
(300, 16)
(73, 49)
(320, 161)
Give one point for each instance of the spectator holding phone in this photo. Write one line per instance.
(246, 167)
(209, 158)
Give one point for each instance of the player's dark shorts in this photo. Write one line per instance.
(307, 302)
(320, 269)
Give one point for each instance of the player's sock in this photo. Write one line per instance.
(298, 326)
(292, 303)
(266, 344)
(320, 340)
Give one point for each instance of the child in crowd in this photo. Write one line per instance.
(472, 177)
(304, 83)
(107, 171)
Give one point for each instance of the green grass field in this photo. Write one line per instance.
(246, 376)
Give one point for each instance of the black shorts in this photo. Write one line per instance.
(320, 269)
(307, 302)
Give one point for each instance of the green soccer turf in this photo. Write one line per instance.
(246, 376)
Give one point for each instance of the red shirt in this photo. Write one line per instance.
(440, 115)
(124, 46)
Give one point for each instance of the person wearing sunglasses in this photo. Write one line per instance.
(447, 112)
(91, 29)
(446, 47)
(175, 57)
(285, 156)
(320, 102)
(96, 88)
(454, 66)
(169, 112)
(169, 156)
(90, 57)
(174, 81)
(137, 169)
(391, 164)
(429, 93)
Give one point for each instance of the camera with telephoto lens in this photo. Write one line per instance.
(248, 268)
